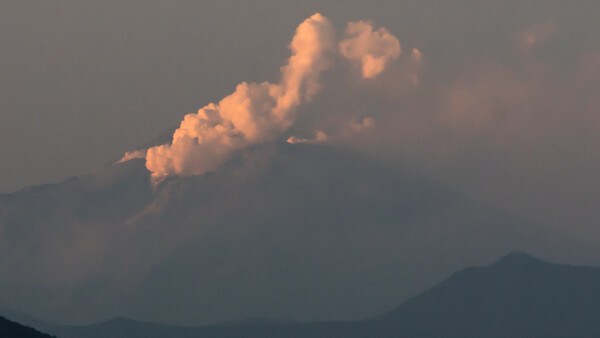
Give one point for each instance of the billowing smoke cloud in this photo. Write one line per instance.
(254, 113)
(320, 137)
(372, 50)
(260, 112)
(131, 155)
(367, 123)
(417, 59)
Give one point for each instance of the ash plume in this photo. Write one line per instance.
(371, 50)
(260, 112)
(254, 113)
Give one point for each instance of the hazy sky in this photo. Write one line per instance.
(506, 108)
(497, 99)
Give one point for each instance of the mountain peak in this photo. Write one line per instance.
(517, 258)
(119, 319)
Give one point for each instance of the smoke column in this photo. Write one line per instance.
(254, 113)
(260, 112)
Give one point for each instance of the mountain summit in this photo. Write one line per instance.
(517, 259)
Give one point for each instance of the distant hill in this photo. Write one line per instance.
(518, 296)
(10, 329)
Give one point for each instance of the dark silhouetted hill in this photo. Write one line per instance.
(10, 329)
(518, 296)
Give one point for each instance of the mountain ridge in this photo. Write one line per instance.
(493, 301)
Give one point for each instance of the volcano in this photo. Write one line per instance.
(299, 231)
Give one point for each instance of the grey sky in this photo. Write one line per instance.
(82, 82)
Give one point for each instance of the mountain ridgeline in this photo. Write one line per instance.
(518, 296)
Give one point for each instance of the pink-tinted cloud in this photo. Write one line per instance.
(254, 113)
(370, 49)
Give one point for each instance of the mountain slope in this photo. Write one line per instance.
(518, 296)
(294, 231)
(10, 329)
